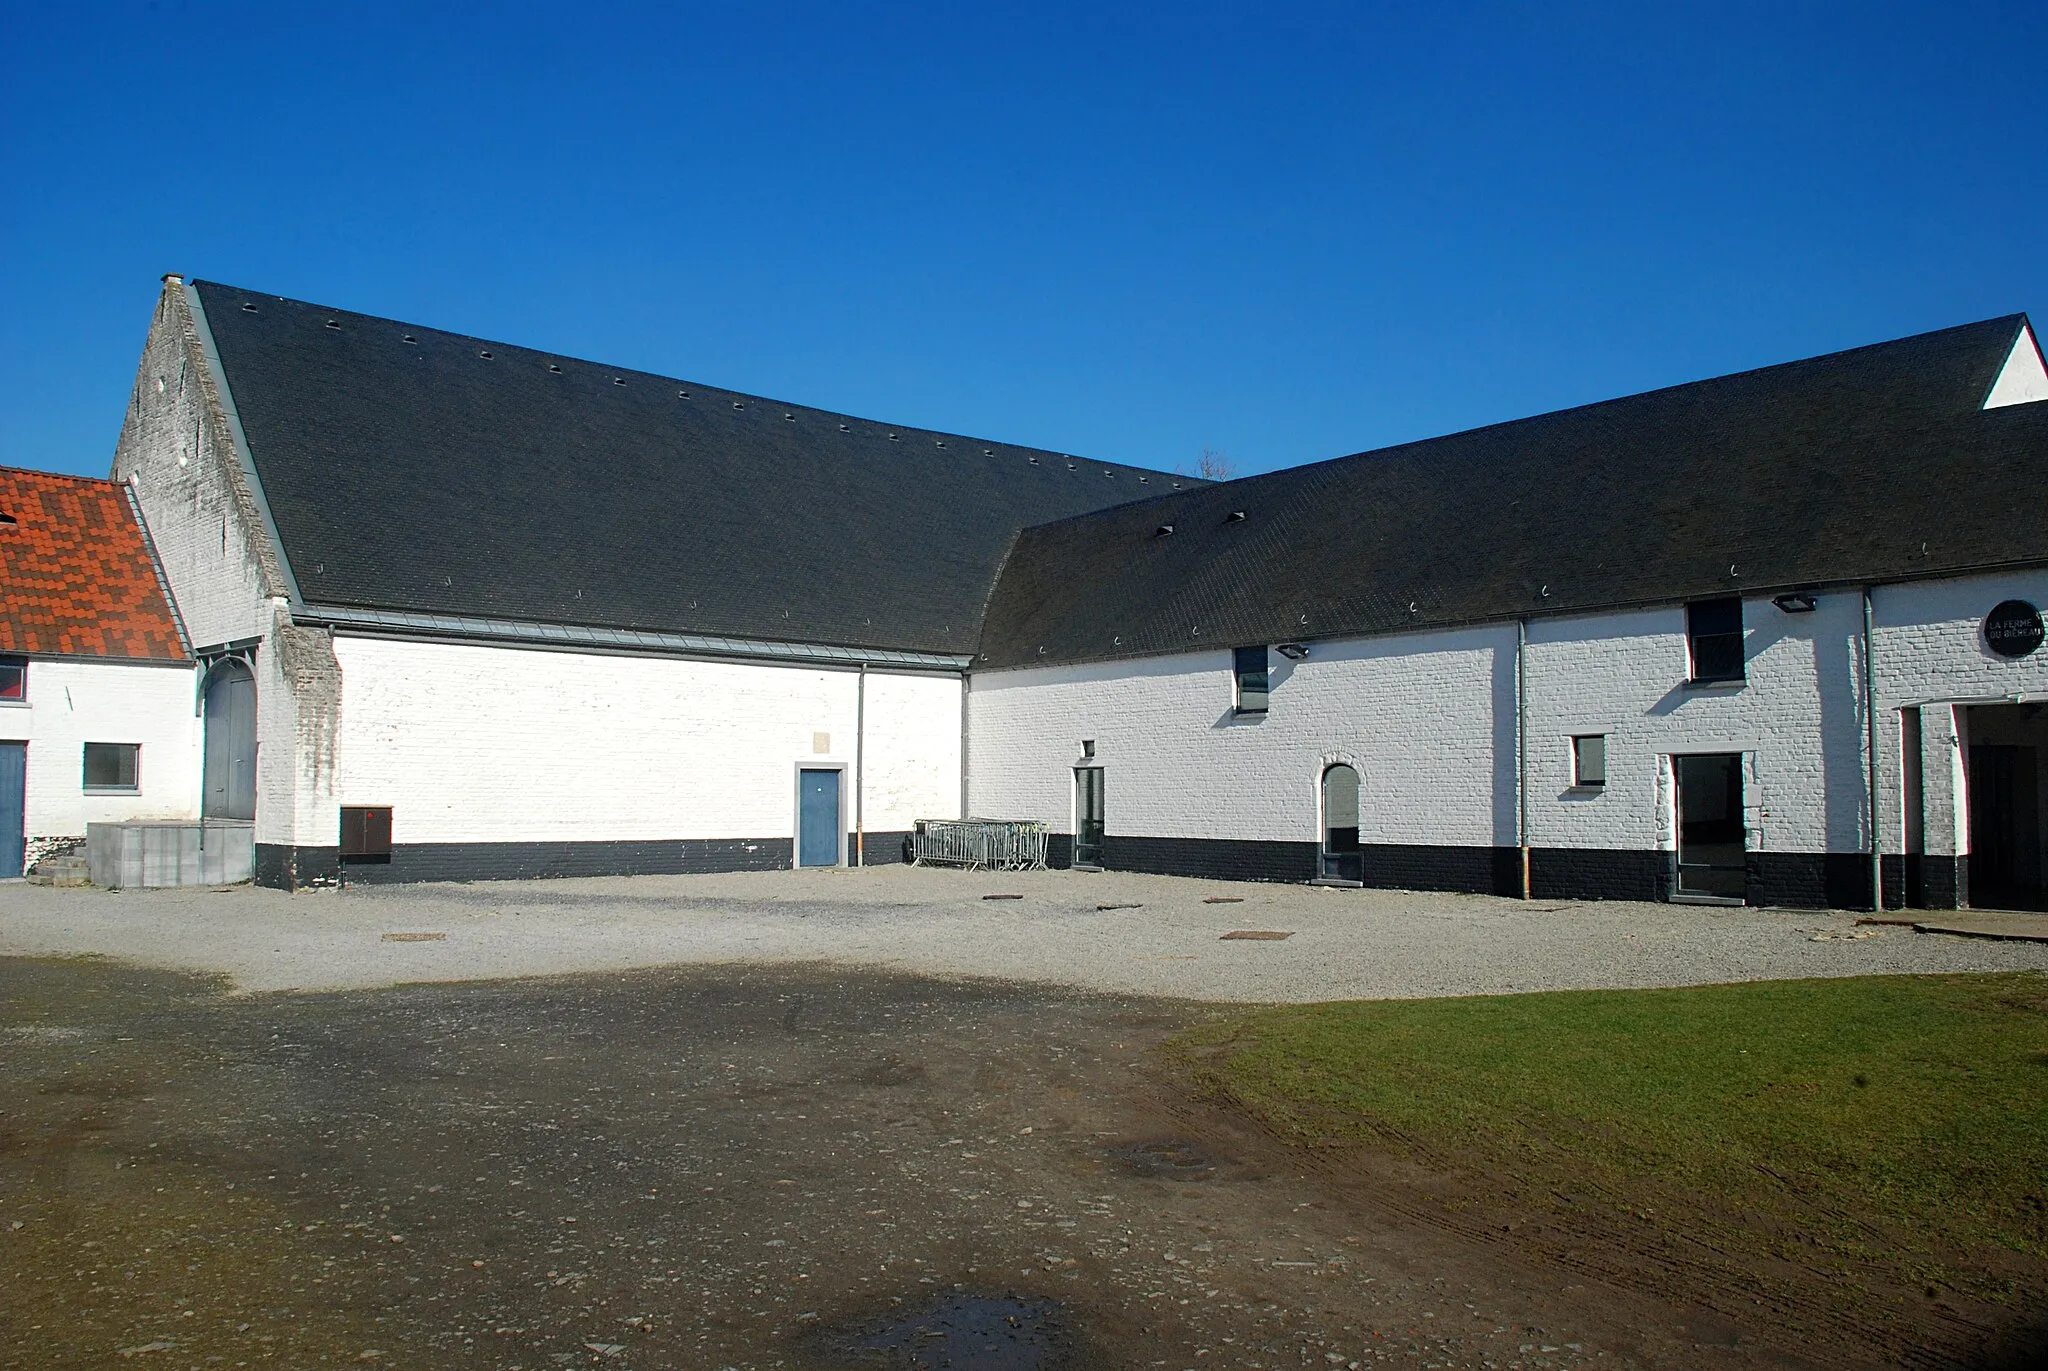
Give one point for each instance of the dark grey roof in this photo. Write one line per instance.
(409, 469)
(1869, 465)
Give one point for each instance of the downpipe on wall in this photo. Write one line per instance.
(1870, 747)
(860, 754)
(1522, 749)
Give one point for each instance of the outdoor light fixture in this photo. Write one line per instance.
(1293, 652)
(1794, 602)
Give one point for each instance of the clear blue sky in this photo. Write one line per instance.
(1287, 232)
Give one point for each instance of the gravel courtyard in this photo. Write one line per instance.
(1107, 932)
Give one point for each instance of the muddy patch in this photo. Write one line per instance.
(985, 1332)
(1170, 1161)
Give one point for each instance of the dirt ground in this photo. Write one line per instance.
(721, 1167)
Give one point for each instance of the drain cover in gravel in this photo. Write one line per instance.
(1224, 899)
(1172, 1161)
(1002, 897)
(999, 1334)
(1255, 935)
(415, 937)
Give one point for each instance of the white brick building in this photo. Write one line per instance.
(507, 613)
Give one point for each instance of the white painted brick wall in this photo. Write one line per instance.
(177, 453)
(1798, 715)
(1428, 719)
(72, 702)
(1417, 715)
(473, 743)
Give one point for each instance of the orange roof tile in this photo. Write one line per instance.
(76, 577)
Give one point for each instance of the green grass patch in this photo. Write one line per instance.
(1896, 1123)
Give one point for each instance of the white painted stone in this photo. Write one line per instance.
(2023, 379)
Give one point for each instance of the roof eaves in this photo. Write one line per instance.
(559, 636)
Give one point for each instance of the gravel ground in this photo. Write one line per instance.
(1163, 937)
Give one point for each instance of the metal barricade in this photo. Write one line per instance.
(979, 844)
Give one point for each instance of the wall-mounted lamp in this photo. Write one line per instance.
(1794, 602)
(1293, 652)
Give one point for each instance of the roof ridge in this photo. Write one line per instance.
(58, 475)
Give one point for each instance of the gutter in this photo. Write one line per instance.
(573, 637)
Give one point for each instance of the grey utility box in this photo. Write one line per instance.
(191, 852)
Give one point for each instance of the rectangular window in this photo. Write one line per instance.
(1250, 666)
(111, 766)
(1589, 760)
(13, 678)
(366, 833)
(1713, 636)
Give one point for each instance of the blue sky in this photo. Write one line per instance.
(1286, 232)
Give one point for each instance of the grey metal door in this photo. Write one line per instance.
(229, 788)
(818, 826)
(13, 790)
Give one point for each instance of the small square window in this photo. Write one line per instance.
(1250, 666)
(1589, 760)
(1713, 638)
(111, 766)
(13, 678)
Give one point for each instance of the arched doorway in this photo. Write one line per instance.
(229, 788)
(1342, 858)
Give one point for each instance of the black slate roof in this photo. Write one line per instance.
(416, 470)
(1869, 465)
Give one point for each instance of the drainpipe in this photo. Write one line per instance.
(860, 753)
(1522, 749)
(1870, 731)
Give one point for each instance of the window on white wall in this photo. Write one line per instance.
(111, 766)
(1250, 667)
(1589, 760)
(1713, 638)
(13, 678)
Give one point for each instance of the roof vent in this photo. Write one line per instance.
(1176, 485)
(1236, 516)
(1070, 466)
(738, 405)
(334, 323)
(682, 395)
(941, 442)
(485, 354)
(988, 452)
(1144, 480)
(1110, 474)
(845, 428)
(555, 367)
(246, 305)
(408, 338)
(7, 520)
(892, 437)
(618, 380)
(1164, 530)
(790, 417)
(1034, 461)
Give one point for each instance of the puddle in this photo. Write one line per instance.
(1172, 1161)
(972, 1331)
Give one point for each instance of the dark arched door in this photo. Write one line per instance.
(230, 784)
(1342, 858)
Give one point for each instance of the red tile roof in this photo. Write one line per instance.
(76, 576)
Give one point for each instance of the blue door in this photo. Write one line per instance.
(817, 839)
(13, 775)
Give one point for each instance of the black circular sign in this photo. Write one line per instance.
(2013, 629)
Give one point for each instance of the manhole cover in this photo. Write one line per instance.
(974, 1331)
(1173, 1161)
(1256, 935)
(415, 937)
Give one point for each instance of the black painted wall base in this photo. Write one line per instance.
(1592, 873)
(532, 861)
(284, 867)
(1214, 859)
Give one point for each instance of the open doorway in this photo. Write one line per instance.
(2003, 766)
(1343, 859)
(1088, 816)
(1712, 857)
